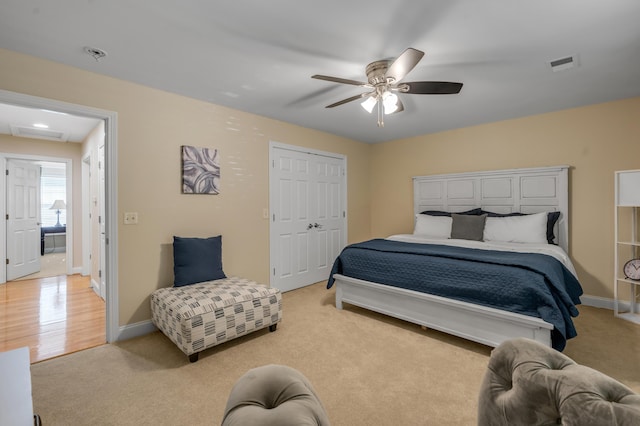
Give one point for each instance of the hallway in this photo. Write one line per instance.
(53, 316)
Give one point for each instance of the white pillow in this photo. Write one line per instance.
(433, 226)
(531, 228)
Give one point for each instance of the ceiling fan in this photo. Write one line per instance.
(384, 79)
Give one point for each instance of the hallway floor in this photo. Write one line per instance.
(53, 316)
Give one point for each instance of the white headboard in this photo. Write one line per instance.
(530, 190)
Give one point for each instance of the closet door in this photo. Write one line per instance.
(308, 219)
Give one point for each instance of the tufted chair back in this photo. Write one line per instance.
(528, 383)
(274, 395)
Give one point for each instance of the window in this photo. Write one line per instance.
(53, 186)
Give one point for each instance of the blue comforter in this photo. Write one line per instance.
(526, 283)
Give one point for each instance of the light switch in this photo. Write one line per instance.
(131, 218)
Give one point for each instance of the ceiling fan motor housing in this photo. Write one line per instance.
(376, 72)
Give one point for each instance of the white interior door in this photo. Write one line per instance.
(330, 213)
(23, 221)
(308, 216)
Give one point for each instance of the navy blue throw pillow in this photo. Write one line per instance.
(196, 260)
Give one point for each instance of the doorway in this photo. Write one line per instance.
(110, 216)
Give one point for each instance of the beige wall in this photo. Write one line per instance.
(152, 125)
(54, 150)
(595, 141)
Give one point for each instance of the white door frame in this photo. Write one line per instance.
(86, 223)
(111, 199)
(273, 202)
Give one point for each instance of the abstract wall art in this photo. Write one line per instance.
(200, 170)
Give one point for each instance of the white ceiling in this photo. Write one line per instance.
(258, 56)
(61, 127)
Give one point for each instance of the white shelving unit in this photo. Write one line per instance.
(627, 243)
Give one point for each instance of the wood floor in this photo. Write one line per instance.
(53, 316)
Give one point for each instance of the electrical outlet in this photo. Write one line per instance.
(131, 218)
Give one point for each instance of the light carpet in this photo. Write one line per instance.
(368, 369)
(51, 265)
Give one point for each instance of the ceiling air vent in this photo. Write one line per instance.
(564, 63)
(35, 133)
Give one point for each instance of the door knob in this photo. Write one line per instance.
(309, 226)
(317, 225)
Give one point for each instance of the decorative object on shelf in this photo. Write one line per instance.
(58, 205)
(632, 269)
(200, 170)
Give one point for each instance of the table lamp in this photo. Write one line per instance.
(58, 205)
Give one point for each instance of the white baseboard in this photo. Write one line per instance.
(76, 270)
(605, 303)
(597, 302)
(141, 328)
(135, 330)
(95, 285)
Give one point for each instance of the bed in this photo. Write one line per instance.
(518, 281)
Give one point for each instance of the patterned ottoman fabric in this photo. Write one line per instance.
(198, 316)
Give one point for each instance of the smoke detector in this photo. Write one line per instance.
(95, 53)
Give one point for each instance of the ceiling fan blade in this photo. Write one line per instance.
(339, 80)
(404, 64)
(431, 88)
(351, 99)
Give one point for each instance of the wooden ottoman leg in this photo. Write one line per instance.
(273, 327)
(194, 357)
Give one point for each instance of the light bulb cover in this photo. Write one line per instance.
(390, 102)
(369, 103)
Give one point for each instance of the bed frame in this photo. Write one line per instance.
(529, 190)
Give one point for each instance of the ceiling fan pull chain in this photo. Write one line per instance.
(380, 114)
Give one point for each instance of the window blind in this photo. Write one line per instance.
(53, 186)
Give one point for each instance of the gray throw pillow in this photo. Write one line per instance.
(468, 227)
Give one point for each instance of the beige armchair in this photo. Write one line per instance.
(274, 395)
(527, 383)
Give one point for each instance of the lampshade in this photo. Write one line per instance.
(58, 205)
(390, 102)
(369, 103)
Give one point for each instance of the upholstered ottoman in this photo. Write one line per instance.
(274, 395)
(199, 316)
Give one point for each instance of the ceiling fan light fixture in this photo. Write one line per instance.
(390, 102)
(384, 78)
(369, 103)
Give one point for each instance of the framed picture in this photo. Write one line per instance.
(200, 170)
